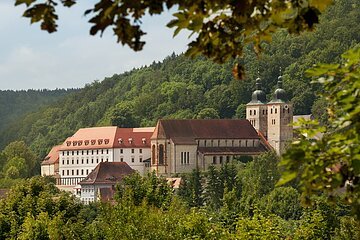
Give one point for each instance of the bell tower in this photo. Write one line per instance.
(256, 109)
(280, 115)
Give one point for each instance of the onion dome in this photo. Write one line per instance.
(279, 94)
(258, 96)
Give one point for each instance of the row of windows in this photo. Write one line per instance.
(87, 161)
(185, 158)
(132, 159)
(220, 159)
(85, 152)
(75, 172)
(89, 190)
(232, 143)
(132, 150)
(265, 111)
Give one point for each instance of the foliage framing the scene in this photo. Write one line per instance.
(222, 27)
(331, 163)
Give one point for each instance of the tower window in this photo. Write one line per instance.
(254, 112)
(275, 110)
(263, 111)
(271, 111)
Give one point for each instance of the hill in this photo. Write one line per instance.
(15, 104)
(179, 87)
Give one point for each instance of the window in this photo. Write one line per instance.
(87, 171)
(161, 154)
(275, 110)
(97, 160)
(72, 172)
(102, 151)
(132, 150)
(72, 161)
(221, 160)
(102, 159)
(87, 161)
(63, 162)
(87, 152)
(263, 111)
(63, 153)
(77, 152)
(121, 159)
(250, 112)
(205, 143)
(82, 161)
(67, 161)
(67, 172)
(92, 152)
(140, 150)
(254, 112)
(188, 157)
(153, 155)
(82, 171)
(92, 160)
(107, 151)
(140, 159)
(67, 153)
(63, 172)
(97, 151)
(227, 159)
(77, 171)
(182, 158)
(271, 111)
(132, 159)
(77, 161)
(214, 160)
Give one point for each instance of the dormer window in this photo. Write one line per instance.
(130, 140)
(100, 141)
(143, 140)
(120, 140)
(106, 141)
(80, 142)
(74, 143)
(86, 142)
(68, 143)
(93, 142)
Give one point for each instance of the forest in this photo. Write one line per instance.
(15, 104)
(236, 201)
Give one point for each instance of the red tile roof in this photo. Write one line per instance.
(108, 137)
(108, 173)
(52, 157)
(205, 129)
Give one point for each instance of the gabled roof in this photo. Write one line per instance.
(108, 137)
(205, 129)
(52, 157)
(108, 173)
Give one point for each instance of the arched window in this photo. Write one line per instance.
(250, 112)
(161, 154)
(254, 112)
(153, 151)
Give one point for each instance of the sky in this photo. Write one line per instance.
(70, 58)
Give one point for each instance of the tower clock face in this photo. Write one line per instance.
(286, 107)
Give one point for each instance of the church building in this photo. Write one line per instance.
(179, 146)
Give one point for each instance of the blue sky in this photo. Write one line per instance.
(33, 59)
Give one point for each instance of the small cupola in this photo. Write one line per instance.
(258, 96)
(279, 94)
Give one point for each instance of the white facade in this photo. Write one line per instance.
(75, 165)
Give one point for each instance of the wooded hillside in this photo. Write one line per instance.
(179, 87)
